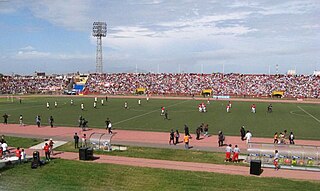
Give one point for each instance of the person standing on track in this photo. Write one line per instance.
(171, 137)
(177, 135)
(221, 138)
(186, 140)
(186, 130)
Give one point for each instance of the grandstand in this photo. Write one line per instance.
(186, 84)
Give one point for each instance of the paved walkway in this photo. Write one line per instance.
(157, 139)
(127, 137)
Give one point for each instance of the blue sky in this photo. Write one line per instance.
(166, 35)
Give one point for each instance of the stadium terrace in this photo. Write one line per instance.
(184, 84)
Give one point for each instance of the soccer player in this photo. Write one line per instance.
(162, 110)
(126, 105)
(102, 102)
(236, 151)
(55, 104)
(253, 108)
(139, 101)
(82, 106)
(71, 102)
(21, 120)
(166, 115)
(148, 98)
(95, 105)
(228, 153)
(228, 108)
(48, 105)
(230, 104)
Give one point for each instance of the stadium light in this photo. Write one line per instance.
(99, 30)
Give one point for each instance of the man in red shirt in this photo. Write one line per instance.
(18, 154)
(46, 149)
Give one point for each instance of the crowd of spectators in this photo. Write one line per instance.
(31, 84)
(294, 86)
(222, 84)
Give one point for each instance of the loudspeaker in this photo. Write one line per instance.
(83, 153)
(90, 154)
(255, 167)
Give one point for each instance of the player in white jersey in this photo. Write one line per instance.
(236, 151)
(228, 153)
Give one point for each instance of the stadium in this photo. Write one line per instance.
(144, 130)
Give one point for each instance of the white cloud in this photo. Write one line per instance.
(72, 14)
(29, 53)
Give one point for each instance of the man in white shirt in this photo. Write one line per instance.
(5, 148)
(248, 136)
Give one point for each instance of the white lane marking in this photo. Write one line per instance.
(309, 114)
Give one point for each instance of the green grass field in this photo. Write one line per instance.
(161, 153)
(302, 119)
(77, 175)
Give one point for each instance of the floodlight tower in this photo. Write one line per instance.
(99, 30)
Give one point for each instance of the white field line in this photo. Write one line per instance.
(309, 114)
(137, 116)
